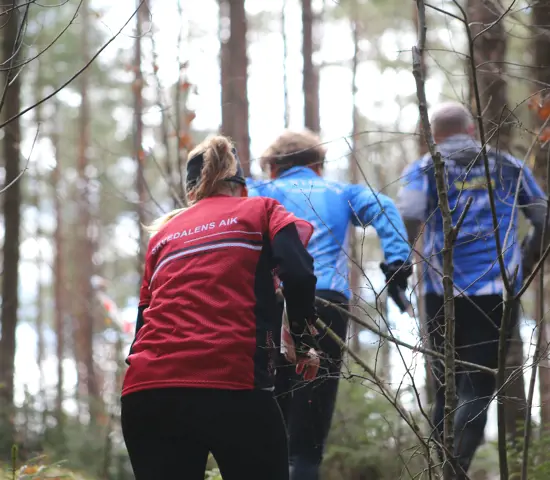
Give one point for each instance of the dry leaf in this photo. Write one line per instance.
(185, 141)
(545, 135)
(190, 117)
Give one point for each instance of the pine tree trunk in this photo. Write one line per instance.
(84, 318)
(224, 33)
(12, 220)
(489, 56)
(239, 78)
(138, 136)
(58, 274)
(285, 65)
(541, 19)
(312, 118)
(40, 263)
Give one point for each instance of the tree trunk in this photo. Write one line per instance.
(285, 65)
(40, 263)
(84, 318)
(489, 56)
(58, 275)
(541, 19)
(234, 78)
(419, 270)
(12, 221)
(138, 135)
(224, 34)
(312, 118)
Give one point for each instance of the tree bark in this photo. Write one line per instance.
(419, 270)
(138, 136)
(84, 317)
(285, 65)
(58, 274)
(224, 34)
(541, 19)
(490, 54)
(234, 73)
(12, 220)
(312, 118)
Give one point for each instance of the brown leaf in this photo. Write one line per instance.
(545, 135)
(185, 141)
(190, 117)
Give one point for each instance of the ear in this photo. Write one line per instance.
(273, 173)
(244, 192)
(317, 168)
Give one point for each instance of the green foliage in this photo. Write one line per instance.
(538, 464)
(368, 439)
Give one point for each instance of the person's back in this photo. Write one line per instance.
(201, 367)
(477, 270)
(294, 161)
(478, 283)
(224, 307)
(327, 206)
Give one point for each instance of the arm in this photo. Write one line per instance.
(295, 269)
(380, 212)
(533, 200)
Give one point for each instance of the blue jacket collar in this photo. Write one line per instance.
(302, 172)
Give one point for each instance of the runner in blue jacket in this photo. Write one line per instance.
(295, 162)
(478, 283)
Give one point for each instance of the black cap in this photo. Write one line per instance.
(194, 169)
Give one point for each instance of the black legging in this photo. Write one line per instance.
(169, 433)
(476, 340)
(308, 406)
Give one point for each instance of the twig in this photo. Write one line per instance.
(76, 75)
(392, 339)
(449, 467)
(540, 336)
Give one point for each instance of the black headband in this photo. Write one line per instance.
(194, 169)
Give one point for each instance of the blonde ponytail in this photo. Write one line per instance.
(161, 221)
(219, 163)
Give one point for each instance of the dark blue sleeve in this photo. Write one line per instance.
(379, 211)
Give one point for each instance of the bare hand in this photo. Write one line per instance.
(308, 366)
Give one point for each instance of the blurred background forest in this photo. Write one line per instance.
(100, 103)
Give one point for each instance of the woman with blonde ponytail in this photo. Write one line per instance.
(200, 376)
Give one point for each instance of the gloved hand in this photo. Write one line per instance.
(397, 274)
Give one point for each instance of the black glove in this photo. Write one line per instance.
(397, 274)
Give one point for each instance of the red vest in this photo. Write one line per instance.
(211, 308)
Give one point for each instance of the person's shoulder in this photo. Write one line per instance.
(508, 159)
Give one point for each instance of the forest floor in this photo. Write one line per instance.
(39, 473)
